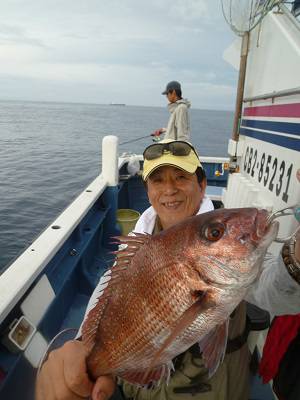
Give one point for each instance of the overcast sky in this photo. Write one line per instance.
(122, 51)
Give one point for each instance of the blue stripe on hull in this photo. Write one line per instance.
(283, 141)
(292, 128)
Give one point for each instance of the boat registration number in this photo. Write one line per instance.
(269, 170)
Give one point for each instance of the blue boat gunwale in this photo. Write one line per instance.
(16, 280)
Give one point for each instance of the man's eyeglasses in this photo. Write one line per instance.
(177, 148)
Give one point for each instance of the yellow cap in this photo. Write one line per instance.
(187, 163)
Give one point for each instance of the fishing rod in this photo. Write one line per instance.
(155, 138)
(135, 140)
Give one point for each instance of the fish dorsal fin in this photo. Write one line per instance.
(187, 318)
(129, 245)
(213, 347)
(95, 309)
(135, 239)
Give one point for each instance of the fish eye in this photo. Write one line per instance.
(214, 232)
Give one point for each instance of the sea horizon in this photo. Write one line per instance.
(108, 104)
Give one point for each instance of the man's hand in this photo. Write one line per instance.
(158, 132)
(103, 388)
(64, 376)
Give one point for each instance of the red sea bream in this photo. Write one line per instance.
(171, 290)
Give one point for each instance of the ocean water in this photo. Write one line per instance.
(49, 152)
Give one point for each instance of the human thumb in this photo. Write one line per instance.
(104, 388)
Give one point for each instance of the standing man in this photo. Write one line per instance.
(179, 123)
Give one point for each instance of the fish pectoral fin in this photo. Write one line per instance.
(213, 347)
(152, 376)
(204, 302)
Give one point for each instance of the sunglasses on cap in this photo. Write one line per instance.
(177, 148)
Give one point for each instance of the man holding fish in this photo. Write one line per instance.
(164, 317)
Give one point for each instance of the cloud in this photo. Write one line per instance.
(190, 10)
(16, 35)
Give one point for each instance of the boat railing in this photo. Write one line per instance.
(273, 95)
(204, 159)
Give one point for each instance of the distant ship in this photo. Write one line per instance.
(117, 104)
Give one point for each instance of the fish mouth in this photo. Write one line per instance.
(266, 230)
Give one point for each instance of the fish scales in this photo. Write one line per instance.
(158, 289)
(169, 291)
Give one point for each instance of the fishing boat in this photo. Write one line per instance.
(47, 288)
